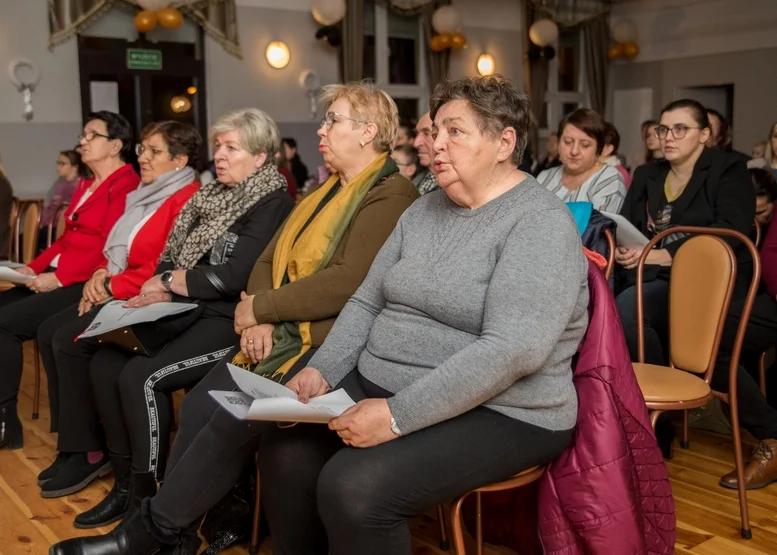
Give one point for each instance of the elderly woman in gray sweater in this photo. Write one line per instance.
(458, 347)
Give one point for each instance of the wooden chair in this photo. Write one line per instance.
(611, 256)
(702, 282)
(519, 480)
(13, 235)
(57, 226)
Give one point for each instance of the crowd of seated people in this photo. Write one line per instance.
(413, 276)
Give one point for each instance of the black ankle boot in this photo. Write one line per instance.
(113, 507)
(10, 427)
(142, 485)
(48, 473)
(74, 475)
(133, 539)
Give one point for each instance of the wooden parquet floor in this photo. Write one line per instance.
(708, 515)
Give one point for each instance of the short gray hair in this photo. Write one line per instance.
(257, 131)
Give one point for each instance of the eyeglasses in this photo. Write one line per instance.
(89, 136)
(150, 152)
(61, 163)
(678, 131)
(329, 120)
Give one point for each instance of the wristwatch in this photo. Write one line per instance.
(167, 280)
(394, 427)
(107, 286)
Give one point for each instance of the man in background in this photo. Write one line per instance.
(424, 144)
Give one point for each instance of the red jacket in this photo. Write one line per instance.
(81, 246)
(609, 492)
(148, 244)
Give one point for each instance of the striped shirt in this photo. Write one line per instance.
(604, 189)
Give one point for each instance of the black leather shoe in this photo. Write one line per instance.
(134, 539)
(52, 471)
(142, 485)
(113, 507)
(74, 475)
(10, 427)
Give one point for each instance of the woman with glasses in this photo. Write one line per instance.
(58, 274)
(209, 253)
(692, 186)
(167, 156)
(299, 285)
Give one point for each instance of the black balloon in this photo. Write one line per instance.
(548, 52)
(534, 52)
(331, 34)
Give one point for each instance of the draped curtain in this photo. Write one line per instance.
(351, 58)
(217, 18)
(535, 77)
(596, 40)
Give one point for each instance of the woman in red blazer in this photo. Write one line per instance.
(167, 156)
(59, 272)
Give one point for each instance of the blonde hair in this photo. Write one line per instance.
(769, 155)
(257, 131)
(368, 104)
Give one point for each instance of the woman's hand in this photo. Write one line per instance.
(44, 283)
(153, 285)
(366, 424)
(256, 342)
(660, 257)
(308, 383)
(94, 290)
(84, 306)
(25, 271)
(145, 299)
(628, 258)
(244, 313)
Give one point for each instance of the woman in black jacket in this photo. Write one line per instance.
(210, 253)
(692, 186)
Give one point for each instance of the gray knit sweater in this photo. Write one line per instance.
(463, 308)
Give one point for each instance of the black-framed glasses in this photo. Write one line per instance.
(678, 131)
(329, 120)
(89, 136)
(149, 151)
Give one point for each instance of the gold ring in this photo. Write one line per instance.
(250, 341)
(142, 294)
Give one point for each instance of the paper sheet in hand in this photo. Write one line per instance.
(10, 264)
(627, 235)
(113, 316)
(263, 399)
(9, 274)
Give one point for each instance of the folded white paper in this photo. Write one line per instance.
(263, 399)
(9, 274)
(10, 264)
(627, 235)
(113, 316)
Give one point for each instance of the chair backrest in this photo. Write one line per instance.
(701, 284)
(57, 226)
(30, 215)
(13, 228)
(611, 254)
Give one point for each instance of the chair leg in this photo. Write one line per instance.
(684, 443)
(762, 373)
(444, 543)
(36, 394)
(253, 548)
(740, 468)
(654, 418)
(478, 523)
(456, 525)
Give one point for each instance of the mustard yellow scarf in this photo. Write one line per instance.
(304, 247)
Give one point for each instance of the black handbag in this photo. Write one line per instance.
(149, 338)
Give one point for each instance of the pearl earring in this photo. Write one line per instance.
(362, 144)
(177, 168)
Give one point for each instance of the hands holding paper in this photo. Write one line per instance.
(43, 283)
(629, 258)
(152, 292)
(25, 271)
(365, 424)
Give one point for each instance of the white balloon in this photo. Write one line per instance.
(328, 12)
(544, 32)
(624, 30)
(153, 5)
(446, 20)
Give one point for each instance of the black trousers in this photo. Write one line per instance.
(210, 451)
(655, 319)
(756, 415)
(21, 314)
(71, 399)
(134, 392)
(322, 497)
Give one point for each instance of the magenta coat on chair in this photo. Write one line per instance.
(609, 492)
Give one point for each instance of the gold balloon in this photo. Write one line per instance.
(436, 44)
(170, 18)
(145, 21)
(615, 51)
(630, 50)
(458, 41)
(446, 39)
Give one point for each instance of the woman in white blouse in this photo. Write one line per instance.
(581, 176)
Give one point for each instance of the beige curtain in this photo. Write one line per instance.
(596, 40)
(218, 18)
(351, 59)
(535, 77)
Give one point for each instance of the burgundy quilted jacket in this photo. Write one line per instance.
(609, 492)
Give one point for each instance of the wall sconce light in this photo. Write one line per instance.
(486, 64)
(278, 55)
(180, 104)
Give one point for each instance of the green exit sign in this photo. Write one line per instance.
(140, 58)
